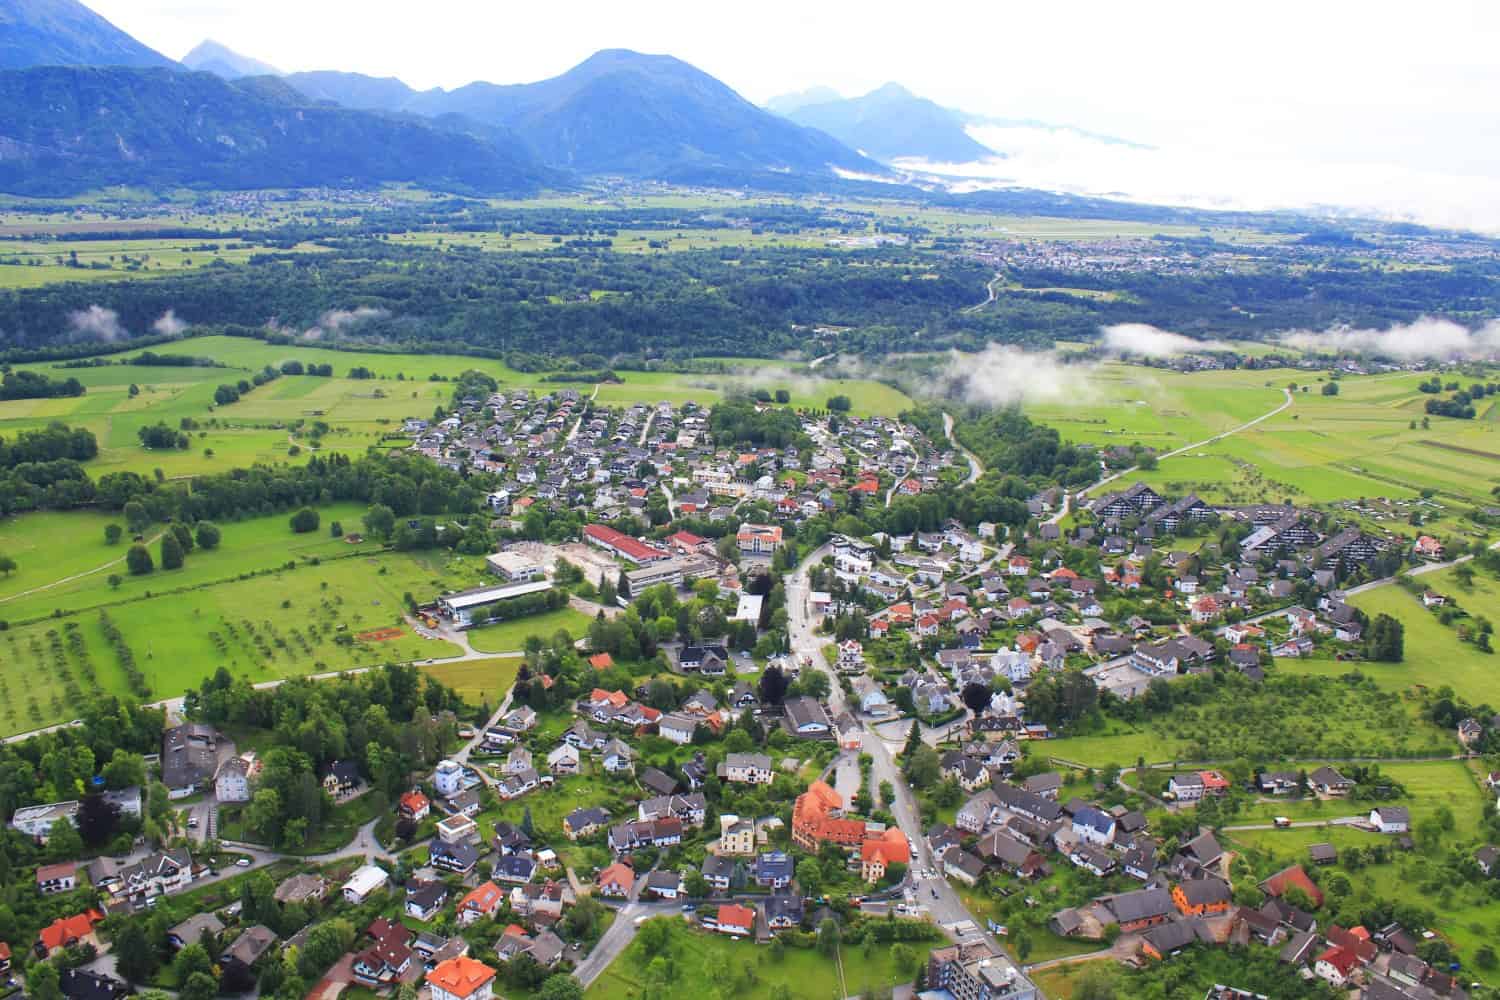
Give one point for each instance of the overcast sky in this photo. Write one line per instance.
(1380, 85)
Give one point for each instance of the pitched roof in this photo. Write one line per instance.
(1293, 877)
(460, 976)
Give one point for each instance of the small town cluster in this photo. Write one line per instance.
(813, 704)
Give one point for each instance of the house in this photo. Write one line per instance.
(851, 657)
(1390, 819)
(1328, 782)
(618, 758)
(1198, 897)
(193, 929)
(746, 768)
(960, 864)
(232, 780)
(719, 871)
(1335, 965)
(425, 899)
(1488, 859)
(388, 958)
(1470, 732)
(1136, 911)
(616, 881)
(189, 758)
(341, 778)
(564, 760)
(677, 727)
(1092, 859)
(732, 919)
(783, 911)
(1093, 826)
(584, 822)
(1185, 787)
(64, 932)
(658, 781)
(736, 836)
(774, 870)
(664, 884)
(365, 880)
(413, 805)
(457, 829)
(484, 900)
(456, 857)
(155, 874)
(61, 877)
(514, 869)
(806, 717)
(690, 809)
(300, 888)
(1293, 877)
(758, 539)
(1167, 940)
(81, 984)
(880, 851)
(461, 978)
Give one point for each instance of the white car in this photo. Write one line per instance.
(242, 863)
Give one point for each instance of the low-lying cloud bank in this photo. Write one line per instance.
(96, 323)
(1002, 376)
(1427, 339)
(1148, 341)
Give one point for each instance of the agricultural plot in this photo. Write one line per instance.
(511, 636)
(284, 623)
(29, 263)
(1359, 443)
(1434, 654)
(478, 682)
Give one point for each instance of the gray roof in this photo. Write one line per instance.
(1143, 904)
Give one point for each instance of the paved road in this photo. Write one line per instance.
(976, 469)
(1301, 824)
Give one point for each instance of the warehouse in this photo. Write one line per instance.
(469, 606)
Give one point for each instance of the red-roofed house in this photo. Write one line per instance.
(616, 881)
(886, 848)
(734, 920)
(1335, 966)
(482, 901)
(414, 806)
(1289, 878)
(461, 978)
(686, 541)
(66, 931)
(601, 661)
(1214, 783)
(817, 817)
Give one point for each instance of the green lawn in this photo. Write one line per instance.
(1434, 654)
(510, 637)
(478, 681)
(696, 956)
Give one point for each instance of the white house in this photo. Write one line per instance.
(677, 728)
(449, 778)
(1390, 819)
(365, 880)
(1093, 826)
(1186, 787)
(232, 781)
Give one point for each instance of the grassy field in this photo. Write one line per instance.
(1434, 654)
(509, 637)
(64, 562)
(477, 681)
(701, 959)
(283, 623)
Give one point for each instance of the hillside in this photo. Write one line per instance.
(892, 122)
(208, 56)
(68, 130)
(66, 33)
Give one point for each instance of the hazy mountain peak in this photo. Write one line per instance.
(892, 123)
(210, 56)
(66, 33)
(785, 104)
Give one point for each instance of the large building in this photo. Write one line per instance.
(514, 567)
(461, 978)
(622, 545)
(759, 539)
(972, 971)
(189, 758)
(469, 607)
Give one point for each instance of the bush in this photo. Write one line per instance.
(207, 535)
(305, 520)
(138, 560)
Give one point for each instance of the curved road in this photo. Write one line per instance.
(976, 469)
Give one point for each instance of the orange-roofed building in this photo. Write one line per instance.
(616, 881)
(1293, 878)
(482, 901)
(619, 699)
(817, 817)
(414, 806)
(601, 661)
(735, 919)
(1063, 573)
(881, 850)
(65, 931)
(461, 978)
(1214, 783)
(866, 486)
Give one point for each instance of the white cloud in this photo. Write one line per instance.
(1001, 375)
(1147, 340)
(1427, 339)
(168, 324)
(96, 323)
(339, 320)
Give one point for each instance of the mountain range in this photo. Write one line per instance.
(66, 33)
(888, 124)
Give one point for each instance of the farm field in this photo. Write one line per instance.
(696, 954)
(477, 681)
(284, 623)
(58, 550)
(30, 263)
(511, 636)
(1359, 443)
(1429, 785)
(1434, 654)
